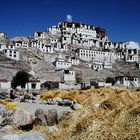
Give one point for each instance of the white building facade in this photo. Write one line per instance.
(62, 64)
(12, 54)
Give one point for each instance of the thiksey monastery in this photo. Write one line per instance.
(76, 44)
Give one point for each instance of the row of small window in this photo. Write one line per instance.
(135, 79)
(89, 52)
(24, 43)
(97, 66)
(132, 58)
(11, 51)
(54, 40)
(13, 55)
(88, 55)
(11, 47)
(86, 31)
(70, 73)
(60, 63)
(37, 44)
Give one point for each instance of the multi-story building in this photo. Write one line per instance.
(74, 61)
(96, 55)
(11, 53)
(61, 64)
(39, 35)
(60, 47)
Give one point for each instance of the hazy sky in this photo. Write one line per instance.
(121, 18)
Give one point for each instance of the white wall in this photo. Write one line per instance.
(40, 35)
(69, 86)
(29, 86)
(62, 65)
(66, 40)
(103, 84)
(54, 30)
(74, 61)
(98, 56)
(5, 85)
(70, 77)
(12, 54)
(49, 49)
(86, 32)
(53, 41)
(125, 81)
(11, 47)
(60, 47)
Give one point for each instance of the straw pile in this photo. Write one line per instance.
(108, 114)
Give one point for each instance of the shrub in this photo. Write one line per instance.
(20, 79)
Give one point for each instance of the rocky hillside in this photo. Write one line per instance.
(41, 64)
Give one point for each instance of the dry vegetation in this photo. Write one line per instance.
(9, 106)
(108, 114)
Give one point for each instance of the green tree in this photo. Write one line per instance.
(20, 79)
(110, 80)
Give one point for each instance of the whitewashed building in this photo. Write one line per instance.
(60, 47)
(39, 35)
(97, 65)
(11, 53)
(69, 76)
(74, 61)
(96, 55)
(22, 44)
(131, 54)
(69, 80)
(62, 64)
(33, 85)
(53, 40)
(5, 85)
(128, 81)
(54, 30)
(49, 48)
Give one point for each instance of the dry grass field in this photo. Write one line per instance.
(108, 114)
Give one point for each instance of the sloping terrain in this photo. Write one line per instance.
(40, 63)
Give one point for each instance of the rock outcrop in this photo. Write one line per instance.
(22, 119)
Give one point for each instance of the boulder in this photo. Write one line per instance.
(51, 129)
(46, 117)
(57, 100)
(40, 117)
(77, 106)
(22, 119)
(24, 136)
(62, 114)
(67, 102)
(51, 117)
